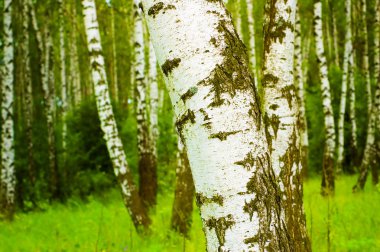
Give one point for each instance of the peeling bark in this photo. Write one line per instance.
(115, 148)
(328, 157)
(205, 62)
(8, 177)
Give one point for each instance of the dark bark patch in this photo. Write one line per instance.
(274, 123)
(220, 226)
(222, 136)
(190, 93)
(269, 79)
(289, 93)
(160, 6)
(248, 162)
(201, 199)
(250, 208)
(187, 117)
(169, 65)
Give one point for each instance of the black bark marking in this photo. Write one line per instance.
(160, 6)
(248, 162)
(222, 136)
(169, 65)
(188, 116)
(201, 199)
(190, 93)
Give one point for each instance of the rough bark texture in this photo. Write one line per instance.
(147, 159)
(219, 121)
(370, 151)
(107, 119)
(345, 79)
(8, 178)
(252, 41)
(328, 156)
(184, 193)
(282, 125)
(299, 82)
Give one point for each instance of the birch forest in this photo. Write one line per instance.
(190, 125)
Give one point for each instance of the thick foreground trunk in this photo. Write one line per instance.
(220, 122)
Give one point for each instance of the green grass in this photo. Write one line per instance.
(103, 224)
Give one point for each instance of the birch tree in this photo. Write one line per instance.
(153, 99)
(352, 114)
(75, 78)
(328, 156)
(299, 82)
(366, 72)
(376, 40)
(107, 120)
(281, 113)
(219, 120)
(8, 178)
(252, 41)
(114, 56)
(345, 79)
(147, 160)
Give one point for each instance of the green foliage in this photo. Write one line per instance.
(103, 224)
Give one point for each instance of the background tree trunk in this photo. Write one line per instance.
(107, 120)
(328, 157)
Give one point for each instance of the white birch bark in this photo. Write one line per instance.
(366, 72)
(8, 178)
(352, 102)
(328, 159)
(348, 50)
(62, 65)
(299, 82)
(252, 41)
(282, 114)
(107, 119)
(74, 62)
(376, 38)
(219, 120)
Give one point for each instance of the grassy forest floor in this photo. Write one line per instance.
(102, 224)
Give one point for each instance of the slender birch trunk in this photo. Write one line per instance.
(376, 43)
(345, 79)
(8, 177)
(107, 120)
(335, 37)
(219, 120)
(299, 82)
(328, 157)
(74, 62)
(238, 18)
(366, 57)
(114, 57)
(62, 66)
(370, 151)
(28, 99)
(44, 52)
(153, 93)
(282, 114)
(147, 159)
(252, 41)
(184, 194)
(352, 115)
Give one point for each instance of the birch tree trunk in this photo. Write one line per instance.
(370, 151)
(299, 83)
(62, 56)
(28, 99)
(153, 93)
(376, 38)
(252, 41)
(220, 122)
(184, 194)
(238, 18)
(345, 79)
(44, 52)
(8, 178)
(366, 57)
(107, 120)
(114, 56)
(74, 62)
(147, 160)
(352, 115)
(328, 157)
(282, 114)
